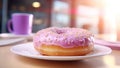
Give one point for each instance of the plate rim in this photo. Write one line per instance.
(58, 58)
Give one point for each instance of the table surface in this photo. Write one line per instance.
(10, 60)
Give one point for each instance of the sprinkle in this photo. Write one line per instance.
(71, 40)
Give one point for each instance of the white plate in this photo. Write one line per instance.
(14, 35)
(11, 35)
(28, 50)
(4, 42)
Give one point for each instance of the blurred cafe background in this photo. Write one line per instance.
(98, 16)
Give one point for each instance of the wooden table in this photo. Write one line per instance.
(10, 60)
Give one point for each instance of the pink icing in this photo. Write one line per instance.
(65, 37)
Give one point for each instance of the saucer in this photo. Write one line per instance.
(27, 50)
(14, 35)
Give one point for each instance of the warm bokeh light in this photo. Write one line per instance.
(36, 4)
(109, 60)
(111, 11)
(112, 8)
(113, 5)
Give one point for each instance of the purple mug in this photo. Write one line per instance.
(21, 22)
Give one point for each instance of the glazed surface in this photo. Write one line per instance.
(64, 37)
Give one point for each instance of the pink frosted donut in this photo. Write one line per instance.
(63, 41)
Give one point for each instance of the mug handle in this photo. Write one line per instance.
(9, 26)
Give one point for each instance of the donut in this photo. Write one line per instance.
(54, 41)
